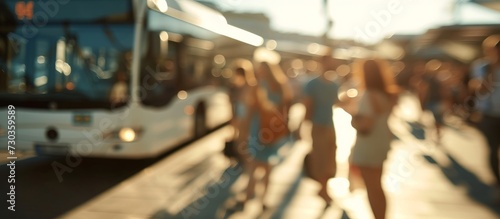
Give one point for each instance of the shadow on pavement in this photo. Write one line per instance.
(279, 214)
(476, 189)
(41, 194)
(207, 206)
(417, 130)
(280, 209)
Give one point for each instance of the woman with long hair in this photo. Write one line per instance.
(265, 135)
(376, 99)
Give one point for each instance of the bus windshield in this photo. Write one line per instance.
(65, 64)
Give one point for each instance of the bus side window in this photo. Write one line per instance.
(159, 76)
(195, 72)
(3, 62)
(16, 59)
(199, 71)
(159, 83)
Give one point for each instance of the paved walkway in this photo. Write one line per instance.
(422, 180)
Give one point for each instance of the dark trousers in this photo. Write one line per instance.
(490, 127)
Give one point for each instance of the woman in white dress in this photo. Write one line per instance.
(377, 97)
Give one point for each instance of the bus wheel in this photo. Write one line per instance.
(200, 127)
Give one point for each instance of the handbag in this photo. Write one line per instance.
(364, 123)
(273, 121)
(273, 125)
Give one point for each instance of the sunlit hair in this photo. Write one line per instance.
(273, 73)
(375, 74)
(246, 67)
(276, 77)
(433, 65)
(491, 45)
(491, 42)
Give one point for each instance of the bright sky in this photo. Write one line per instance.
(363, 20)
(370, 21)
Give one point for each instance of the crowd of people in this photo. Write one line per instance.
(262, 96)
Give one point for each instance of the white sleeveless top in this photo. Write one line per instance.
(371, 149)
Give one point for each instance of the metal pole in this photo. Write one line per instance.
(139, 25)
(329, 23)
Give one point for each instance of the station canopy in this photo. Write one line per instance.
(191, 18)
(461, 40)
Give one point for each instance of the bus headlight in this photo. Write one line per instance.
(128, 134)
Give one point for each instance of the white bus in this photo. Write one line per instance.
(113, 78)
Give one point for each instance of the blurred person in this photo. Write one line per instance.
(242, 88)
(485, 82)
(119, 91)
(320, 94)
(416, 80)
(240, 95)
(271, 92)
(459, 92)
(237, 84)
(376, 98)
(418, 70)
(433, 95)
(298, 78)
(298, 85)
